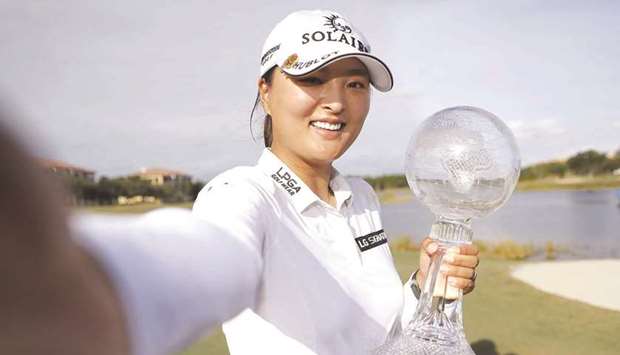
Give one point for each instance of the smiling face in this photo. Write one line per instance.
(316, 117)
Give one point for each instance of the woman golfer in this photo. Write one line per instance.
(289, 254)
(326, 282)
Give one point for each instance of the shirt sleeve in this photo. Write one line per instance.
(176, 276)
(234, 203)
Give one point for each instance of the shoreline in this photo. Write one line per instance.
(592, 281)
(395, 195)
(570, 184)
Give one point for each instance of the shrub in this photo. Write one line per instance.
(404, 243)
(510, 250)
(550, 250)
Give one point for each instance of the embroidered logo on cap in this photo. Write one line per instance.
(371, 240)
(337, 23)
(292, 59)
(339, 31)
(269, 54)
(303, 64)
(285, 180)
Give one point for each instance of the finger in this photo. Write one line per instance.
(469, 249)
(470, 287)
(429, 246)
(457, 271)
(461, 283)
(470, 261)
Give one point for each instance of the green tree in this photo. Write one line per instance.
(196, 187)
(543, 170)
(588, 162)
(611, 164)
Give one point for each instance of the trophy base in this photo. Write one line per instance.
(423, 344)
(435, 335)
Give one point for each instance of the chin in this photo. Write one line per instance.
(328, 155)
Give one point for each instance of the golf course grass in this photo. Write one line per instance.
(505, 316)
(571, 183)
(140, 208)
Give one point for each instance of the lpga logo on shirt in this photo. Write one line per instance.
(371, 240)
(283, 178)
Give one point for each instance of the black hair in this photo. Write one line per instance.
(267, 130)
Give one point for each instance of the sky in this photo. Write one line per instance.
(115, 86)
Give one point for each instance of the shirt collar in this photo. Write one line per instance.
(341, 188)
(301, 195)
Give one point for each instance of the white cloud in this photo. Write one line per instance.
(535, 129)
(123, 90)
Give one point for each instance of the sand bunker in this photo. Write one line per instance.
(596, 282)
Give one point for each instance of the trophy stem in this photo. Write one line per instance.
(431, 323)
(452, 231)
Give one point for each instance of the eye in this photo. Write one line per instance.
(357, 84)
(310, 80)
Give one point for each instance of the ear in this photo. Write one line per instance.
(263, 91)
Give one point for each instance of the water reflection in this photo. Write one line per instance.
(586, 222)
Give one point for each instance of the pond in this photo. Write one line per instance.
(587, 223)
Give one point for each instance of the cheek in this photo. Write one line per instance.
(293, 104)
(359, 110)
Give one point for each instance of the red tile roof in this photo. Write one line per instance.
(61, 165)
(159, 171)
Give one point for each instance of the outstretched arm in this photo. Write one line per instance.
(177, 276)
(144, 285)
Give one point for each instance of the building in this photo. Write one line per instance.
(158, 176)
(61, 169)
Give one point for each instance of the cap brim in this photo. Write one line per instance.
(380, 75)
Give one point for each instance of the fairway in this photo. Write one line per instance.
(129, 209)
(505, 316)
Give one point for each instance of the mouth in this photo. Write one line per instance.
(333, 127)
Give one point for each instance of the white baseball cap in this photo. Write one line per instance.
(305, 41)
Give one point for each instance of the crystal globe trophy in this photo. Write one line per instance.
(462, 163)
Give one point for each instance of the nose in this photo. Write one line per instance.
(333, 97)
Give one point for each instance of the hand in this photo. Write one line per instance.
(459, 264)
(55, 298)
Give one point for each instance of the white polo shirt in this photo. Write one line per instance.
(312, 279)
(328, 283)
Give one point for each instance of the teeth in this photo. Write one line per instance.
(328, 126)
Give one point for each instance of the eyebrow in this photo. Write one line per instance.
(353, 71)
(357, 71)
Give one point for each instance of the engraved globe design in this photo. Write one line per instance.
(462, 163)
